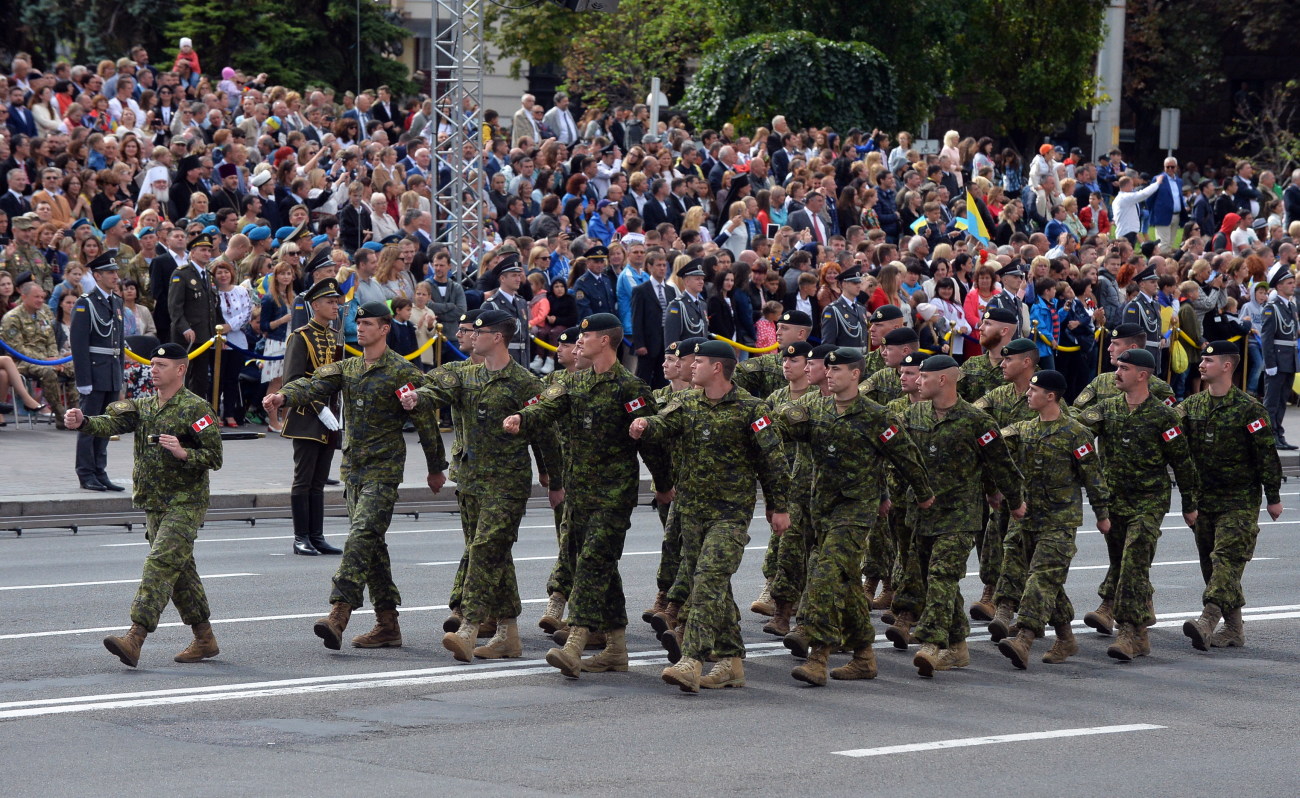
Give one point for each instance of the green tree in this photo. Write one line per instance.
(84, 30)
(1173, 52)
(811, 81)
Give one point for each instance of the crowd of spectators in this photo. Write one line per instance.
(293, 184)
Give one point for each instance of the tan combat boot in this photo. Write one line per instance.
(956, 655)
(386, 634)
(869, 590)
(927, 659)
(1143, 642)
(613, 657)
(672, 641)
(203, 646)
(127, 648)
(1126, 646)
(1003, 620)
(553, 618)
(488, 628)
(661, 604)
(1102, 619)
(505, 644)
(729, 672)
(453, 620)
(1064, 647)
(1232, 634)
(780, 623)
(595, 640)
(814, 670)
(666, 618)
(764, 605)
(330, 628)
(1017, 648)
(461, 642)
(900, 634)
(983, 609)
(1202, 629)
(862, 666)
(685, 674)
(886, 598)
(797, 641)
(569, 658)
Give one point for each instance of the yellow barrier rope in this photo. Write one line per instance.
(137, 358)
(205, 346)
(743, 348)
(544, 345)
(351, 350)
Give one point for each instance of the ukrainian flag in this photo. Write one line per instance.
(974, 222)
(349, 287)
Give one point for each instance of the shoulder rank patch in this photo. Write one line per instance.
(988, 437)
(328, 370)
(202, 424)
(634, 405)
(889, 433)
(444, 377)
(553, 391)
(1083, 451)
(1256, 425)
(1171, 433)
(795, 413)
(761, 424)
(121, 406)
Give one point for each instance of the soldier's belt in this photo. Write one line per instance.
(104, 350)
(517, 346)
(1276, 342)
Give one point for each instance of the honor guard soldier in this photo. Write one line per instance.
(593, 291)
(510, 276)
(1144, 310)
(314, 429)
(1278, 339)
(1008, 298)
(97, 337)
(686, 316)
(844, 321)
(192, 306)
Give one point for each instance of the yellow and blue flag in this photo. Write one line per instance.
(974, 222)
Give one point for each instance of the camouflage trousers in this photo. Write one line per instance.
(597, 601)
(490, 589)
(561, 578)
(365, 555)
(1225, 541)
(1035, 565)
(989, 543)
(837, 610)
(791, 575)
(909, 584)
(943, 564)
(169, 571)
(670, 551)
(689, 539)
(1131, 548)
(468, 522)
(713, 623)
(881, 550)
(52, 383)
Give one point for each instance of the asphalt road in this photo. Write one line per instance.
(277, 714)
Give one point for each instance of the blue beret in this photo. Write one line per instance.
(259, 233)
(110, 223)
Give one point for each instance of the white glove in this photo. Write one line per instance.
(328, 418)
(1271, 372)
(85, 390)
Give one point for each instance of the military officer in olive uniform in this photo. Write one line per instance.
(192, 306)
(313, 429)
(1278, 339)
(97, 336)
(177, 442)
(844, 321)
(686, 316)
(27, 258)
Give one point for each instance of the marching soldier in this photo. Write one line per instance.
(1229, 436)
(983, 373)
(177, 442)
(560, 582)
(1278, 340)
(97, 336)
(1056, 455)
(726, 440)
(313, 428)
(686, 316)
(762, 375)
(884, 320)
(1139, 436)
(904, 594)
(1122, 338)
(883, 386)
(374, 457)
(1144, 311)
(844, 321)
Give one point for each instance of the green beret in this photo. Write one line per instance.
(914, 359)
(820, 351)
(600, 322)
(374, 310)
(845, 356)
(570, 336)
(799, 349)
(171, 351)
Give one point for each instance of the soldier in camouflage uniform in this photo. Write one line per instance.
(29, 328)
(726, 441)
(983, 373)
(177, 442)
(908, 595)
(1230, 438)
(464, 338)
(1007, 404)
(849, 436)
(883, 386)
(884, 320)
(963, 452)
(1056, 455)
(374, 457)
(1139, 436)
(495, 478)
(602, 482)
(560, 581)
(27, 257)
(1122, 338)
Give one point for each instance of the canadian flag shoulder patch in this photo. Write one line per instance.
(1171, 433)
(889, 433)
(761, 424)
(1083, 451)
(405, 389)
(1169, 401)
(988, 437)
(1256, 425)
(202, 424)
(634, 405)
(534, 400)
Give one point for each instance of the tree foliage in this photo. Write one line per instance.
(811, 81)
(1173, 52)
(608, 59)
(83, 30)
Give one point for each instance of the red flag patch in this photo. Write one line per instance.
(1169, 402)
(762, 424)
(1083, 451)
(634, 405)
(1256, 425)
(889, 433)
(202, 424)
(405, 389)
(988, 437)
(534, 400)
(1171, 433)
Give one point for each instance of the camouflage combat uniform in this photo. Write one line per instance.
(963, 452)
(882, 387)
(561, 578)
(670, 551)
(1231, 440)
(453, 474)
(724, 447)
(28, 258)
(1135, 448)
(602, 481)
(1007, 405)
(848, 448)
(172, 492)
(374, 457)
(1057, 458)
(34, 337)
(979, 376)
(790, 551)
(760, 376)
(1103, 387)
(905, 573)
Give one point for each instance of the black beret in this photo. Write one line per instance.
(1222, 348)
(686, 346)
(844, 356)
(374, 310)
(1049, 380)
(170, 351)
(570, 336)
(820, 351)
(901, 337)
(469, 316)
(796, 317)
(1138, 357)
(797, 349)
(938, 363)
(886, 313)
(1001, 315)
(718, 349)
(599, 322)
(323, 289)
(1019, 346)
(914, 359)
(1123, 331)
(492, 318)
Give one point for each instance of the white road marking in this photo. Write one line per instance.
(330, 535)
(1104, 567)
(966, 742)
(552, 556)
(110, 582)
